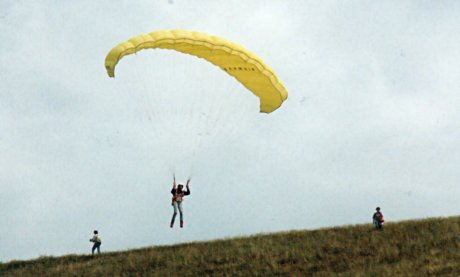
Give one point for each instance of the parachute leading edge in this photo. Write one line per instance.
(238, 62)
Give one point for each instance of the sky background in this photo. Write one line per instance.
(372, 119)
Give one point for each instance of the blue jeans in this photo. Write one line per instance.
(177, 205)
(97, 245)
(378, 225)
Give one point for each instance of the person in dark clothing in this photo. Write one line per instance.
(377, 218)
(97, 242)
(177, 199)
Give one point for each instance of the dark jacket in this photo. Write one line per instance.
(178, 196)
(377, 216)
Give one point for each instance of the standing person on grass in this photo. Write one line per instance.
(377, 218)
(97, 242)
(177, 199)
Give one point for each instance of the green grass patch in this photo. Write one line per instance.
(429, 247)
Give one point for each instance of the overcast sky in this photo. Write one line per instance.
(372, 119)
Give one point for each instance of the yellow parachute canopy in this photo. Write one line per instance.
(234, 59)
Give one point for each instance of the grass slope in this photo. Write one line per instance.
(429, 247)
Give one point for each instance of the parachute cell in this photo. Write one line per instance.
(238, 62)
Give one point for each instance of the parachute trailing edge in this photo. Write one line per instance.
(234, 59)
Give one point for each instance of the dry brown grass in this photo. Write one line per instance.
(429, 247)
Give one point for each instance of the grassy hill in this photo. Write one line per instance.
(429, 247)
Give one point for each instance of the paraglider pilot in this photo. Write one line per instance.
(177, 199)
